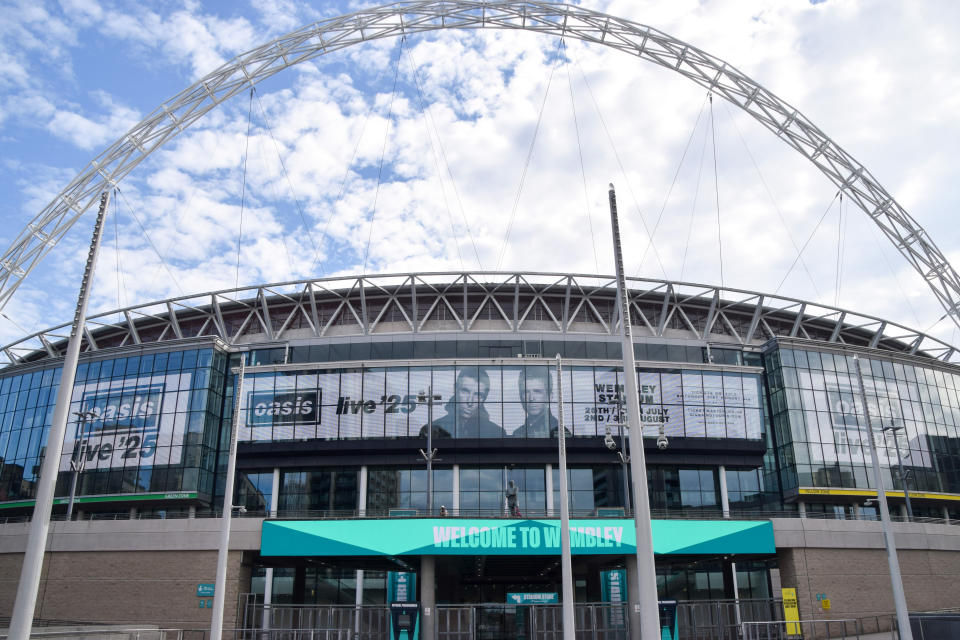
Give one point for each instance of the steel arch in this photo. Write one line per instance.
(178, 113)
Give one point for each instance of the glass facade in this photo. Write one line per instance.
(819, 429)
(137, 425)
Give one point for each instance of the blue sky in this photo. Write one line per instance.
(881, 78)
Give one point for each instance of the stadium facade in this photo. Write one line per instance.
(765, 482)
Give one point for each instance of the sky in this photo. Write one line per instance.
(492, 150)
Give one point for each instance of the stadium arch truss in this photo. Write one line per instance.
(405, 18)
(479, 303)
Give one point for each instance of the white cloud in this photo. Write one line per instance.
(891, 106)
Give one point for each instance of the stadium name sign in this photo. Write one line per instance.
(456, 536)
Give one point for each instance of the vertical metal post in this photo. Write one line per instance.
(216, 620)
(896, 582)
(646, 569)
(430, 451)
(566, 562)
(903, 475)
(429, 454)
(77, 460)
(21, 623)
(624, 457)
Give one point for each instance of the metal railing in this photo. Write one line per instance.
(837, 629)
(697, 620)
(348, 514)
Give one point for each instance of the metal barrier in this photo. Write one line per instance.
(697, 620)
(313, 622)
(839, 629)
(935, 626)
(721, 619)
(117, 632)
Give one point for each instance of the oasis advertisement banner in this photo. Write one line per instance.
(443, 536)
(494, 401)
(128, 422)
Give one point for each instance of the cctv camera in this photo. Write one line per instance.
(609, 442)
(662, 442)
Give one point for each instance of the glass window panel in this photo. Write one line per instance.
(583, 390)
(694, 421)
(713, 388)
(672, 387)
(715, 421)
(649, 385)
(736, 422)
(733, 389)
(692, 387)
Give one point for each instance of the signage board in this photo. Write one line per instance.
(506, 537)
(533, 598)
(791, 612)
(205, 589)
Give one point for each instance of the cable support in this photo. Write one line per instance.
(693, 206)
(443, 154)
(286, 174)
(626, 180)
(116, 247)
(243, 188)
(583, 172)
(773, 200)
(383, 152)
(276, 198)
(716, 186)
(526, 164)
(809, 238)
(146, 236)
(840, 246)
(436, 160)
(343, 183)
(896, 279)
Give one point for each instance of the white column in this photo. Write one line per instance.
(362, 512)
(724, 496)
(455, 507)
(268, 574)
(856, 510)
(549, 481)
(275, 493)
(946, 515)
(362, 493)
(192, 511)
(802, 508)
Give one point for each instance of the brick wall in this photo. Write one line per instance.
(127, 587)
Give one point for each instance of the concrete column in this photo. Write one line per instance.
(192, 511)
(268, 574)
(946, 515)
(549, 487)
(633, 596)
(275, 493)
(428, 597)
(455, 507)
(362, 493)
(903, 511)
(133, 513)
(856, 510)
(724, 496)
(736, 593)
(358, 601)
(802, 508)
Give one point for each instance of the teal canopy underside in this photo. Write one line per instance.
(455, 537)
